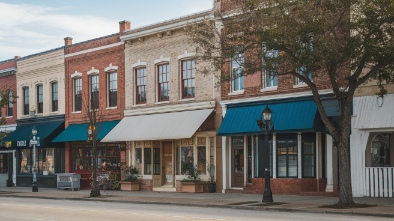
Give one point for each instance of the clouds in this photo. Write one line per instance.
(28, 29)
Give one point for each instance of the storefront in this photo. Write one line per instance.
(49, 155)
(372, 146)
(164, 146)
(110, 156)
(297, 147)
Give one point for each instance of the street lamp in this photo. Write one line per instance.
(266, 125)
(34, 142)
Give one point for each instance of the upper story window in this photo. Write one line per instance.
(55, 101)
(77, 94)
(163, 82)
(237, 72)
(112, 89)
(40, 99)
(94, 92)
(188, 78)
(25, 100)
(270, 72)
(10, 106)
(140, 85)
(303, 71)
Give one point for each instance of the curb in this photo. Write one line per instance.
(255, 208)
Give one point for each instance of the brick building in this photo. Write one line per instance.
(301, 154)
(7, 113)
(40, 91)
(94, 75)
(170, 108)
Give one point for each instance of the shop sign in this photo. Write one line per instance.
(21, 143)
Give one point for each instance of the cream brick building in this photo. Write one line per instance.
(171, 112)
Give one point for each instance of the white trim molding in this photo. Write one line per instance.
(139, 63)
(186, 55)
(111, 68)
(76, 74)
(93, 71)
(93, 49)
(162, 60)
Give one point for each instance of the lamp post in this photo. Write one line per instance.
(266, 125)
(34, 142)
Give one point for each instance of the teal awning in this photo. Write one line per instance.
(78, 132)
(291, 116)
(45, 131)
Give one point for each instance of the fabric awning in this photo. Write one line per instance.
(300, 116)
(165, 126)
(78, 132)
(45, 131)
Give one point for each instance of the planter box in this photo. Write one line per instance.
(130, 186)
(192, 187)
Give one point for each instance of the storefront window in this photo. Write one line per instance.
(212, 157)
(148, 161)
(45, 161)
(108, 157)
(138, 160)
(287, 159)
(187, 159)
(201, 155)
(308, 159)
(380, 150)
(156, 161)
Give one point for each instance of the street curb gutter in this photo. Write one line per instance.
(209, 205)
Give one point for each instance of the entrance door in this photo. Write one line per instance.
(4, 169)
(167, 179)
(238, 167)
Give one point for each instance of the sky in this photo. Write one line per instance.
(33, 26)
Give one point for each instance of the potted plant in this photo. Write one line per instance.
(131, 181)
(192, 184)
(211, 173)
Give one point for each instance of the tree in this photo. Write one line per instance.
(346, 42)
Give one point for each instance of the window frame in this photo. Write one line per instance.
(26, 102)
(112, 96)
(278, 154)
(94, 96)
(235, 66)
(303, 156)
(161, 82)
(10, 105)
(40, 97)
(142, 85)
(77, 95)
(266, 71)
(190, 79)
(55, 96)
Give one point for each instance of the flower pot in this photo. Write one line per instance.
(130, 186)
(192, 187)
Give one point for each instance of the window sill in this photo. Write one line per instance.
(40, 114)
(274, 88)
(8, 117)
(139, 105)
(76, 112)
(236, 92)
(187, 99)
(25, 116)
(300, 85)
(54, 112)
(163, 102)
(111, 108)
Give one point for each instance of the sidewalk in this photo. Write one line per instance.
(384, 206)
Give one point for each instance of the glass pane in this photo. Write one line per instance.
(202, 159)
(147, 161)
(138, 159)
(187, 159)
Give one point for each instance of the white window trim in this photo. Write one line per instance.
(93, 71)
(162, 60)
(76, 112)
(300, 85)
(135, 84)
(157, 81)
(107, 87)
(186, 55)
(236, 92)
(90, 90)
(76, 74)
(73, 93)
(232, 91)
(139, 63)
(111, 108)
(111, 68)
(272, 88)
(189, 57)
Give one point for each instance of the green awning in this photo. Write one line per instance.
(45, 131)
(78, 132)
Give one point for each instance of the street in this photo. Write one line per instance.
(16, 209)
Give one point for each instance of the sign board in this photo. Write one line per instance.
(33, 142)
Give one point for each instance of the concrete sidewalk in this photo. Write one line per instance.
(384, 206)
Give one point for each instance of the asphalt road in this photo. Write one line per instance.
(18, 209)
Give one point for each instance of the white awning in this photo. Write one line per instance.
(165, 126)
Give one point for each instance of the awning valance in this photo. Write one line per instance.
(46, 131)
(78, 132)
(165, 126)
(291, 116)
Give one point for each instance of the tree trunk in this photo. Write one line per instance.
(345, 182)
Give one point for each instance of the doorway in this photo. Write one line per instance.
(238, 167)
(167, 166)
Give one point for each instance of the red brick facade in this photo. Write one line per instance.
(8, 81)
